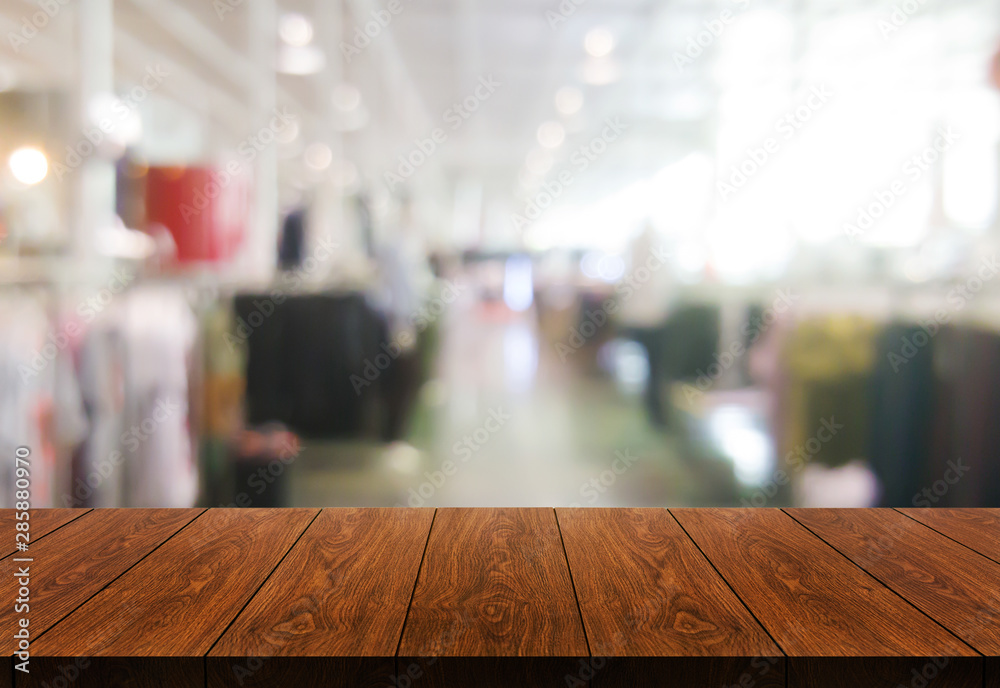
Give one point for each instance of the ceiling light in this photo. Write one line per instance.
(318, 156)
(569, 100)
(120, 120)
(346, 97)
(551, 134)
(301, 60)
(599, 42)
(295, 29)
(29, 165)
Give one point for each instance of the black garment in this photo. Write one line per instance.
(964, 468)
(653, 339)
(691, 341)
(683, 348)
(902, 407)
(291, 248)
(312, 362)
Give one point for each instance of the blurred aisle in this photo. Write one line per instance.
(521, 428)
(223, 227)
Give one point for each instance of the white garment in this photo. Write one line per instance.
(645, 293)
(40, 405)
(160, 333)
(405, 278)
(101, 469)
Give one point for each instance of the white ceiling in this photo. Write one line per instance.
(435, 51)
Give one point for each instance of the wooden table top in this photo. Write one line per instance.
(397, 598)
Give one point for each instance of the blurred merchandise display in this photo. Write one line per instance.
(278, 253)
(205, 209)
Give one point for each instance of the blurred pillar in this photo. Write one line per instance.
(262, 238)
(93, 192)
(329, 219)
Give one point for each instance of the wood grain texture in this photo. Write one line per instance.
(649, 598)
(493, 598)
(76, 561)
(817, 604)
(340, 598)
(955, 586)
(43, 522)
(494, 584)
(977, 529)
(156, 622)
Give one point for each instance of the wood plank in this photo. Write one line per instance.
(838, 625)
(43, 522)
(333, 612)
(76, 561)
(955, 586)
(494, 604)
(977, 529)
(650, 599)
(154, 624)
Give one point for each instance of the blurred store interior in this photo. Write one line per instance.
(500, 252)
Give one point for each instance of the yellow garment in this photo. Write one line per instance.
(828, 361)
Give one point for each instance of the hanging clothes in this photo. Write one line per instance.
(161, 331)
(902, 408)
(829, 363)
(99, 465)
(40, 406)
(304, 357)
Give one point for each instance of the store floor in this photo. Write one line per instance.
(505, 422)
